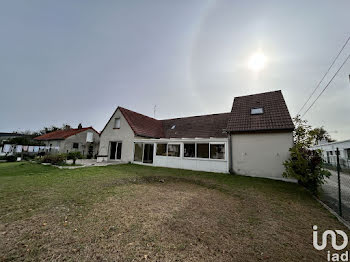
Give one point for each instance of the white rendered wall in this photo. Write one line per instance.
(261, 154)
(123, 134)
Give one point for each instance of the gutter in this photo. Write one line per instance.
(230, 162)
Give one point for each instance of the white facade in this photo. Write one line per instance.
(261, 154)
(78, 142)
(329, 152)
(123, 134)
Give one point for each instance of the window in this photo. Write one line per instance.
(217, 151)
(148, 153)
(161, 150)
(117, 123)
(256, 111)
(189, 150)
(89, 137)
(75, 145)
(174, 150)
(348, 152)
(203, 150)
(138, 152)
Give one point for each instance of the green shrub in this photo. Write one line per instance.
(74, 156)
(55, 159)
(306, 166)
(12, 158)
(9, 158)
(28, 157)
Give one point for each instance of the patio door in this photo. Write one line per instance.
(115, 151)
(148, 153)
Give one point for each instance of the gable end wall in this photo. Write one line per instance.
(124, 134)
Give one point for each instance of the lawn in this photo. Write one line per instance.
(137, 213)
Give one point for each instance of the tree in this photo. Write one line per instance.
(43, 131)
(66, 127)
(301, 132)
(304, 164)
(318, 134)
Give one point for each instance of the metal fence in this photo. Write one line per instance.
(335, 193)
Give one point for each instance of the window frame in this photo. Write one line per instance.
(257, 110)
(142, 146)
(166, 150)
(115, 123)
(202, 143)
(200, 158)
(217, 143)
(348, 153)
(195, 150)
(173, 144)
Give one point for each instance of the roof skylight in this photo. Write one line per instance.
(256, 111)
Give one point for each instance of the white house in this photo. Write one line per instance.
(84, 139)
(329, 152)
(253, 139)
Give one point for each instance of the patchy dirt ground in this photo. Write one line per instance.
(170, 221)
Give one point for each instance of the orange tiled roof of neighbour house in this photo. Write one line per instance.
(62, 134)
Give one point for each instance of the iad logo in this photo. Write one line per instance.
(333, 235)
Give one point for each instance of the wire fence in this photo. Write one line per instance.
(335, 192)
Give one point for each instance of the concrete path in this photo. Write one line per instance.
(329, 192)
(87, 163)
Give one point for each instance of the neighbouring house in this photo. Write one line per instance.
(84, 139)
(5, 147)
(329, 154)
(7, 136)
(253, 139)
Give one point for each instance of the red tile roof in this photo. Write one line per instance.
(62, 134)
(143, 125)
(275, 114)
(274, 117)
(204, 126)
(187, 127)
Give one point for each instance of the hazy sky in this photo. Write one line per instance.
(76, 61)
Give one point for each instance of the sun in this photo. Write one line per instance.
(257, 62)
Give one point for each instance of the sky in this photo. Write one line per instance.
(71, 62)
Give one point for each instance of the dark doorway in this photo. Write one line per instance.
(116, 151)
(328, 158)
(148, 153)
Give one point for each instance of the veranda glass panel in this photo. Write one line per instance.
(203, 150)
(161, 150)
(138, 152)
(174, 150)
(189, 150)
(217, 151)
